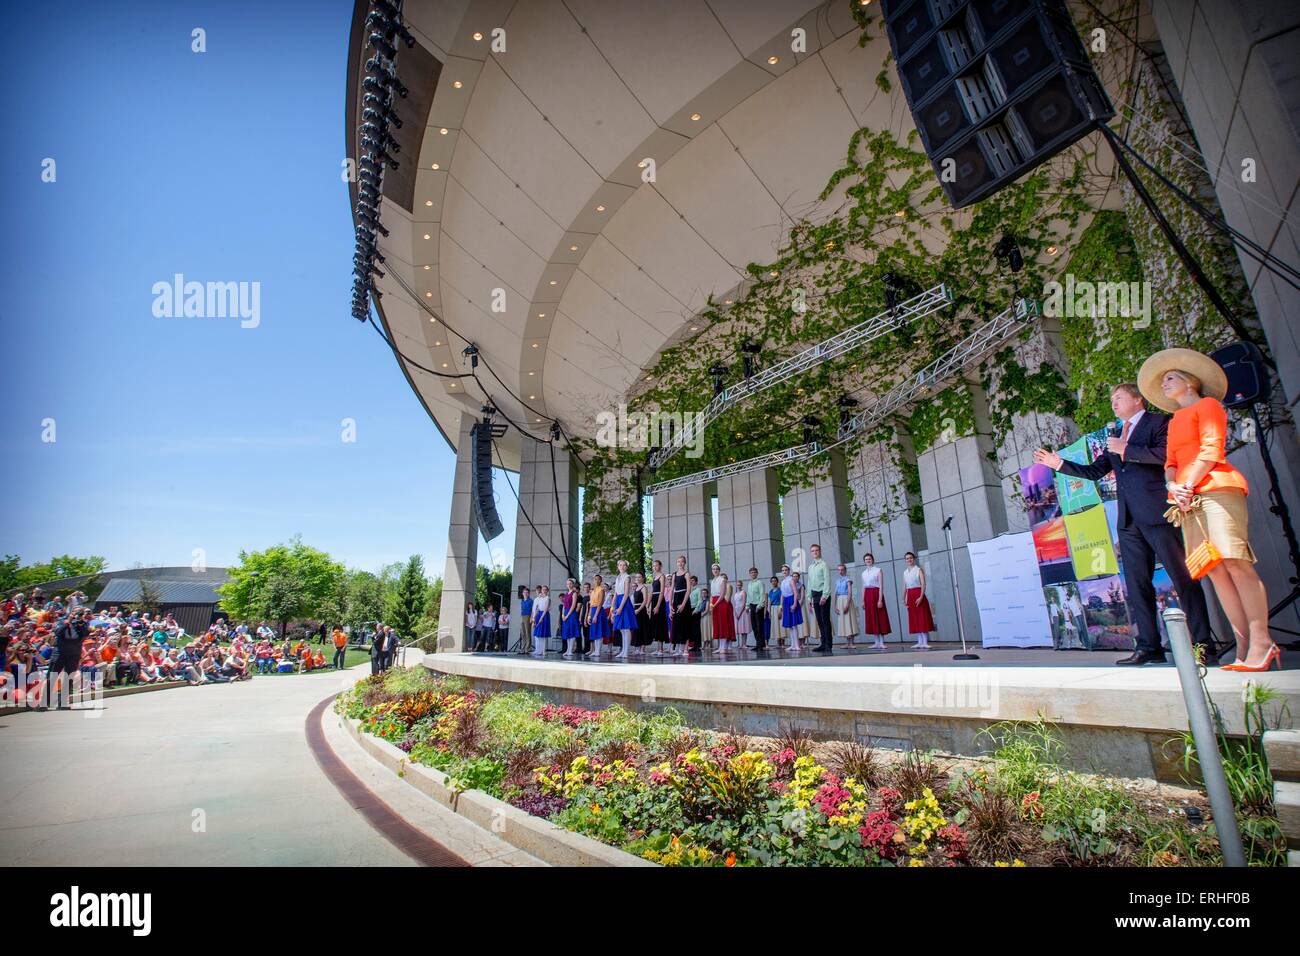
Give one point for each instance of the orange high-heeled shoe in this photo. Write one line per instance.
(1274, 655)
(1231, 667)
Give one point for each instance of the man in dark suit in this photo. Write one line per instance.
(1137, 457)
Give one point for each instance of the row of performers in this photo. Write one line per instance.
(673, 615)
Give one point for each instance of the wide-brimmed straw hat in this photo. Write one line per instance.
(1214, 383)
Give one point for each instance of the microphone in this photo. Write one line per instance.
(1114, 430)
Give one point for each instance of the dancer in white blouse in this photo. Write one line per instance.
(875, 615)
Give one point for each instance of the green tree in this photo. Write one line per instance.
(407, 608)
(284, 582)
(15, 576)
(150, 596)
(489, 583)
(365, 599)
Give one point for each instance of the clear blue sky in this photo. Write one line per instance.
(183, 433)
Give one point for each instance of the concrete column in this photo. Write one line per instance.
(959, 479)
(683, 524)
(458, 578)
(819, 514)
(542, 526)
(749, 524)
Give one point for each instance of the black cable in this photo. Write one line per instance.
(523, 511)
(555, 487)
(1184, 254)
(406, 358)
(1260, 254)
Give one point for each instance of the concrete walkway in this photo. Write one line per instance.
(195, 776)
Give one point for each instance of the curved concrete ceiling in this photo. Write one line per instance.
(532, 231)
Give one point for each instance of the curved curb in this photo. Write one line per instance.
(410, 840)
(534, 835)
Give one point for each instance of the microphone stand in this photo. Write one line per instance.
(965, 654)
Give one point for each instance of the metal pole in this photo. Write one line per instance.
(1204, 738)
(965, 654)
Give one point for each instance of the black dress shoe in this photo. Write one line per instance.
(1138, 658)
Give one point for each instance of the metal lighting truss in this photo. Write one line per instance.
(968, 351)
(931, 300)
(991, 335)
(769, 460)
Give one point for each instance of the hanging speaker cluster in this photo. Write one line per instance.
(377, 146)
(996, 87)
(485, 503)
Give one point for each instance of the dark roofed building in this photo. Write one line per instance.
(191, 597)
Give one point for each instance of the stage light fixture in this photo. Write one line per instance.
(1007, 252)
(749, 357)
(810, 425)
(716, 372)
(846, 405)
(381, 45)
(472, 351)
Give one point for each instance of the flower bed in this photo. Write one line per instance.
(680, 796)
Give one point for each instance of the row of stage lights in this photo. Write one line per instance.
(376, 145)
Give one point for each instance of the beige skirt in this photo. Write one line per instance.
(1222, 519)
(846, 617)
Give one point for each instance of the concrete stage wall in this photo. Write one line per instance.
(1119, 721)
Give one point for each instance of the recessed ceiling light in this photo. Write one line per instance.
(774, 273)
(428, 202)
(695, 117)
(573, 248)
(428, 295)
(534, 345)
(1052, 250)
(724, 301)
(444, 364)
(477, 37)
(538, 420)
(532, 397)
(426, 235)
(600, 209)
(435, 166)
(458, 84)
(532, 373)
(774, 60)
(552, 282)
(437, 343)
(443, 131)
(426, 268)
(901, 213)
(695, 328)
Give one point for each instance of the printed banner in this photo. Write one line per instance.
(1075, 494)
(1091, 546)
(1007, 589)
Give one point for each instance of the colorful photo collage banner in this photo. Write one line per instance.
(1074, 523)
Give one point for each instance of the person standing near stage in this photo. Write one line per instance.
(541, 620)
(584, 625)
(711, 588)
(679, 608)
(340, 648)
(740, 615)
(471, 626)
(570, 617)
(756, 602)
(1210, 495)
(597, 621)
(1137, 457)
(846, 617)
(699, 603)
(525, 616)
(772, 620)
(919, 619)
(658, 610)
(624, 609)
(875, 616)
(818, 582)
(721, 612)
(791, 606)
(503, 629)
(641, 604)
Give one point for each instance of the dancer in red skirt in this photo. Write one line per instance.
(724, 621)
(875, 615)
(919, 619)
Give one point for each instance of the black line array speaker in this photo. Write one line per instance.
(485, 503)
(1248, 380)
(996, 87)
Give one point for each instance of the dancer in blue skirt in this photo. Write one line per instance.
(791, 607)
(597, 619)
(541, 621)
(570, 616)
(624, 608)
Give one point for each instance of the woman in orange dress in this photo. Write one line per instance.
(1210, 492)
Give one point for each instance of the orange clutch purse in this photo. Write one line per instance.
(1205, 557)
